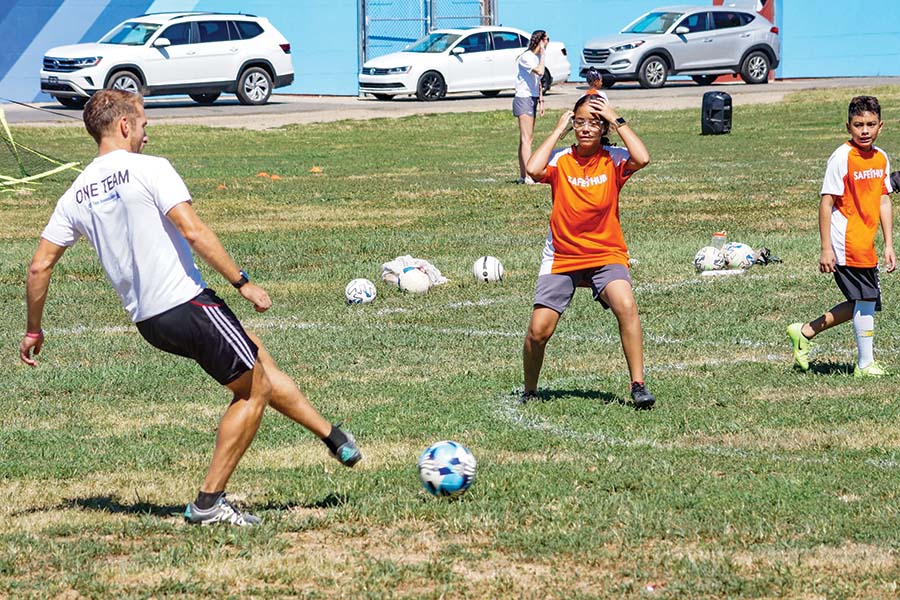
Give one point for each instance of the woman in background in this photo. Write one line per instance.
(529, 99)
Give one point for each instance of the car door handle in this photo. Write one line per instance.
(745, 35)
(191, 52)
(232, 49)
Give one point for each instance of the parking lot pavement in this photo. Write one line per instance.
(286, 109)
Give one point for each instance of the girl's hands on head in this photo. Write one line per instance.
(601, 108)
(565, 121)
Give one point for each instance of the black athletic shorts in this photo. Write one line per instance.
(858, 283)
(205, 330)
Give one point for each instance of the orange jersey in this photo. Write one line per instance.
(584, 222)
(857, 180)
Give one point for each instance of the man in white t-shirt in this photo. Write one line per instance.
(137, 214)
(529, 99)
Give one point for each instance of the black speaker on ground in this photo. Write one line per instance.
(716, 116)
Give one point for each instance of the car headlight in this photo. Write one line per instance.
(398, 70)
(88, 61)
(628, 46)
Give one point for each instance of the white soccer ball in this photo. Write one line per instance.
(738, 256)
(709, 258)
(487, 268)
(414, 281)
(360, 291)
(446, 469)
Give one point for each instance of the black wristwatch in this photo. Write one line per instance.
(240, 282)
(620, 121)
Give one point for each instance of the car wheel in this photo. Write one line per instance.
(254, 86)
(490, 93)
(431, 86)
(653, 72)
(704, 79)
(755, 68)
(546, 80)
(384, 96)
(70, 102)
(125, 81)
(205, 98)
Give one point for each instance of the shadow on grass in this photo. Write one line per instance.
(112, 505)
(592, 395)
(830, 368)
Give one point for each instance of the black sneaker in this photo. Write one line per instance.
(643, 399)
(527, 397)
(222, 511)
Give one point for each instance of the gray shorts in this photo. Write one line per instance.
(858, 283)
(555, 290)
(525, 105)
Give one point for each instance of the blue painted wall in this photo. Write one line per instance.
(818, 39)
(849, 38)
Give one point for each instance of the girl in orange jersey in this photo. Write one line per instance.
(585, 245)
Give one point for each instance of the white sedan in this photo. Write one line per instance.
(478, 59)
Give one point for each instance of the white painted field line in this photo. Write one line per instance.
(507, 408)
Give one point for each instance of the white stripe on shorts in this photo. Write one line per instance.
(231, 335)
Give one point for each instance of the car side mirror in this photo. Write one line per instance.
(682, 30)
(162, 43)
(458, 51)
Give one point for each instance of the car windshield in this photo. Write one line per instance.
(655, 22)
(130, 34)
(435, 42)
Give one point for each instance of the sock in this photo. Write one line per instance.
(864, 327)
(641, 383)
(206, 500)
(335, 439)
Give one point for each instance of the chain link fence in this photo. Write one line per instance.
(388, 25)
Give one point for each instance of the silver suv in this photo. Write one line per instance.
(194, 53)
(700, 41)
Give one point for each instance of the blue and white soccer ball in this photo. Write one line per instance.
(360, 291)
(446, 469)
(709, 258)
(738, 256)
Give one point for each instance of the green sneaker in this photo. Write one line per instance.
(872, 370)
(801, 346)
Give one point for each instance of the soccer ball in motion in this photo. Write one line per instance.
(738, 256)
(487, 268)
(414, 281)
(360, 291)
(709, 259)
(446, 469)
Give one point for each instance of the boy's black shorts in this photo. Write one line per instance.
(859, 283)
(205, 330)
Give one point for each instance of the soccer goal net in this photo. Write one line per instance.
(22, 165)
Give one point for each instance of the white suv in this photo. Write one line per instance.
(194, 53)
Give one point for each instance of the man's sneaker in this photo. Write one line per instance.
(643, 399)
(348, 453)
(801, 346)
(527, 397)
(872, 370)
(222, 511)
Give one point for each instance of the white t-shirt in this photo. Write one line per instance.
(528, 83)
(119, 204)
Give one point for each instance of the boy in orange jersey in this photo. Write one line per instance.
(585, 245)
(854, 200)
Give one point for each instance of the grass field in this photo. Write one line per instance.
(746, 481)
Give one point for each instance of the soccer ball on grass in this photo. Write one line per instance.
(360, 291)
(487, 268)
(709, 258)
(446, 469)
(738, 256)
(414, 281)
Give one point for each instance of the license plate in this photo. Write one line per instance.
(53, 79)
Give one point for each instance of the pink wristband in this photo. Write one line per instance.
(34, 336)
